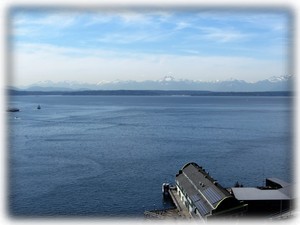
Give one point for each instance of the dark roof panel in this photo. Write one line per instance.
(195, 197)
(212, 195)
(196, 182)
(202, 207)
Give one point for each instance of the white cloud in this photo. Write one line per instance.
(22, 31)
(144, 17)
(98, 18)
(123, 38)
(134, 17)
(221, 34)
(133, 37)
(182, 25)
(198, 44)
(57, 19)
(33, 63)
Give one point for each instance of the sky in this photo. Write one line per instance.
(93, 46)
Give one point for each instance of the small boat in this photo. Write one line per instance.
(38, 107)
(13, 110)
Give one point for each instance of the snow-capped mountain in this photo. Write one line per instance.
(281, 83)
(65, 85)
(167, 79)
(280, 78)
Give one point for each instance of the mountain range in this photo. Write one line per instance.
(282, 83)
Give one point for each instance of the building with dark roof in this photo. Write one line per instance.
(203, 196)
(197, 195)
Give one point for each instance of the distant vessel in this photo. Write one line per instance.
(38, 107)
(13, 110)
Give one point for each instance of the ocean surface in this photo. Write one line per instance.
(107, 156)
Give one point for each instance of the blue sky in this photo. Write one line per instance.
(106, 45)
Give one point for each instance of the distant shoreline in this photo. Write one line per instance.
(150, 93)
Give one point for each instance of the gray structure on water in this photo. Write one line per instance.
(276, 197)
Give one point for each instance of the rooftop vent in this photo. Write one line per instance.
(201, 184)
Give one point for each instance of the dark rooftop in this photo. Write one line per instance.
(204, 192)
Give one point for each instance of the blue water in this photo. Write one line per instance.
(109, 155)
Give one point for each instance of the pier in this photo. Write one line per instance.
(178, 212)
